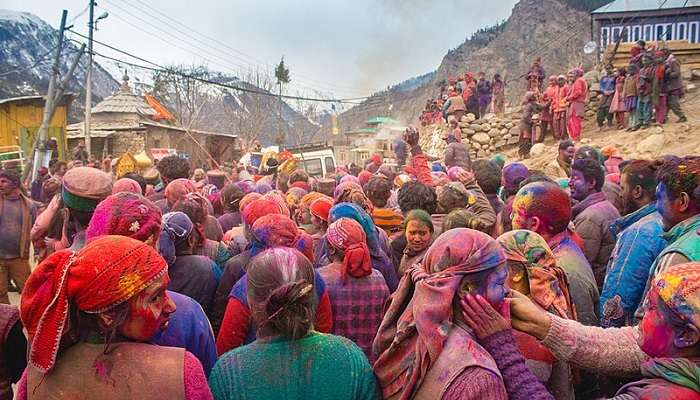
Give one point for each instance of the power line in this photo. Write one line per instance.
(159, 68)
(182, 40)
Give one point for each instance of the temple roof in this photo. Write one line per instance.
(124, 101)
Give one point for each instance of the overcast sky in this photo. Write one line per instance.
(347, 48)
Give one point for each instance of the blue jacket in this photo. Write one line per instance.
(607, 83)
(639, 242)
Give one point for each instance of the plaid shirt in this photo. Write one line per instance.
(358, 305)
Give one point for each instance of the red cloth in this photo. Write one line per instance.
(237, 320)
(301, 185)
(320, 208)
(248, 199)
(347, 235)
(363, 177)
(105, 273)
(275, 230)
(417, 322)
(419, 168)
(177, 189)
(261, 207)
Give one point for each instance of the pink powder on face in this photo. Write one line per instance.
(656, 334)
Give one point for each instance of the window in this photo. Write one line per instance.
(604, 36)
(648, 33)
(636, 33)
(615, 34)
(313, 167)
(330, 165)
(682, 31)
(693, 28)
(663, 32)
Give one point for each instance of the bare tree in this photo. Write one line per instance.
(180, 88)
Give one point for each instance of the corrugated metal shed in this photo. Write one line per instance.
(644, 5)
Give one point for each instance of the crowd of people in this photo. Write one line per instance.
(631, 98)
(478, 280)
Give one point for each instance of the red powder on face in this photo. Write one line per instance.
(149, 312)
(656, 334)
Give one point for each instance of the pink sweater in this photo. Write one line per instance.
(195, 382)
(611, 351)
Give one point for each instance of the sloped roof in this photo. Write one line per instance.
(645, 5)
(124, 101)
(381, 120)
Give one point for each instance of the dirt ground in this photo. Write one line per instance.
(679, 139)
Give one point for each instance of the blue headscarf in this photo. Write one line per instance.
(176, 227)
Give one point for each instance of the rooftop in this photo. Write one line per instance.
(125, 101)
(381, 120)
(619, 6)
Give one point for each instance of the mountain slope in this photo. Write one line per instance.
(550, 29)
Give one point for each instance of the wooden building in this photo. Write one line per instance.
(127, 122)
(20, 118)
(648, 20)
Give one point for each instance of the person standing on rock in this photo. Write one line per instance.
(454, 106)
(484, 90)
(499, 95)
(607, 91)
(644, 89)
(535, 77)
(674, 84)
(630, 95)
(546, 116)
(530, 107)
(577, 100)
(559, 108)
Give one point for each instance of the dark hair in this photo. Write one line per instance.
(589, 152)
(487, 175)
(537, 177)
(452, 197)
(415, 195)
(642, 173)
(138, 178)
(464, 219)
(281, 292)
(378, 190)
(298, 176)
(84, 325)
(591, 171)
(565, 144)
(681, 176)
(231, 196)
(419, 215)
(173, 167)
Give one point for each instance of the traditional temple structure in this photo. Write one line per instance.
(127, 122)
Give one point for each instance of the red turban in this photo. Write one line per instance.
(348, 236)
(105, 273)
(320, 208)
(260, 208)
(248, 199)
(363, 177)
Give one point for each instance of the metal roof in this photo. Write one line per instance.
(619, 6)
(38, 99)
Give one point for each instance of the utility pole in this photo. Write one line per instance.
(88, 81)
(53, 97)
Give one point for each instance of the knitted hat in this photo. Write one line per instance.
(85, 187)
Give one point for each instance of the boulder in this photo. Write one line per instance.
(509, 125)
(537, 149)
(506, 136)
(503, 131)
(656, 130)
(481, 138)
(469, 117)
(513, 140)
(468, 132)
(489, 116)
(514, 131)
(479, 121)
(492, 148)
(486, 127)
(463, 125)
(482, 154)
(494, 133)
(590, 113)
(499, 144)
(475, 127)
(691, 87)
(652, 144)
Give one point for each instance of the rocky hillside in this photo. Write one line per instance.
(550, 29)
(27, 45)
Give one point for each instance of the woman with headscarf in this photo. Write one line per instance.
(303, 215)
(420, 233)
(533, 271)
(351, 192)
(425, 349)
(194, 205)
(253, 207)
(319, 210)
(181, 189)
(357, 292)
(132, 215)
(664, 349)
(377, 241)
(267, 232)
(89, 316)
(190, 274)
(290, 359)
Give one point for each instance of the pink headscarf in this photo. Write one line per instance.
(126, 185)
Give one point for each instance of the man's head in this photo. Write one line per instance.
(487, 175)
(587, 177)
(173, 167)
(638, 184)
(567, 149)
(60, 168)
(552, 80)
(678, 190)
(10, 182)
(561, 80)
(511, 176)
(641, 44)
(541, 207)
(81, 144)
(589, 152)
(609, 69)
(417, 196)
(481, 76)
(378, 190)
(452, 196)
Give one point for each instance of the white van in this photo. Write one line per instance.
(316, 163)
